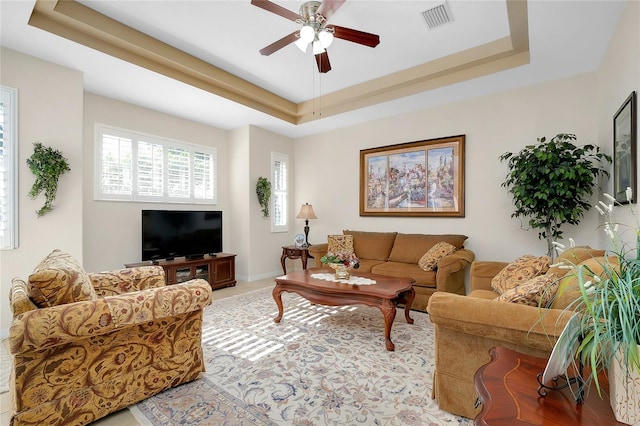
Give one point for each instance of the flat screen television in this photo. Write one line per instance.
(167, 234)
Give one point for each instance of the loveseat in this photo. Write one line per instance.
(467, 327)
(397, 255)
(88, 344)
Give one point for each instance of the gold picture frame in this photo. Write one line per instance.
(422, 178)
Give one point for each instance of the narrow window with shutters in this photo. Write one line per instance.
(8, 168)
(280, 192)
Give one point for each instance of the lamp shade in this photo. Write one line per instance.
(306, 212)
(307, 33)
(326, 38)
(302, 45)
(317, 47)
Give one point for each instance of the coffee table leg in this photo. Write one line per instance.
(388, 309)
(277, 296)
(411, 295)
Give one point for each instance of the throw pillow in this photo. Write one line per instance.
(538, 291)
(430, 259)
(573, 256)
(59, 279)
(340, 244)
(519, 271)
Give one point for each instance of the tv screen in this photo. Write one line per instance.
(167, 234)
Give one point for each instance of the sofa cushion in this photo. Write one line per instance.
(430, 259)
(573, 256)
(59, 279)
(484, 294)
(538, 291)
(372, 245)
(519, 271)
(407, 270)
(569, 290)
(409, 248)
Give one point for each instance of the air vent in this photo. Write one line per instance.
(437, 16)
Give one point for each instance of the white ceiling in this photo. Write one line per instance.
(565, 38)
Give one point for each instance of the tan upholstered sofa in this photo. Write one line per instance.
(467, 327)
(88, 344)
(395, 254)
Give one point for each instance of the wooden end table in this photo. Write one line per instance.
(508, 389)
(385, 294)
(294, 252)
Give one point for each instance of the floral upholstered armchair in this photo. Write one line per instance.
(88, 344)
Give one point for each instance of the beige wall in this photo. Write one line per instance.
(618, 76)
(49, 111)
(492, 124)
(112, 233)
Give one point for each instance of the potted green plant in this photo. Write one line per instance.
(551, 183)
(47, 165)
(263, 191)
(608, 311)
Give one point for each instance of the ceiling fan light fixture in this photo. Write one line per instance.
(307, 34)
(302, 45)
(317, 47)
(326, 38)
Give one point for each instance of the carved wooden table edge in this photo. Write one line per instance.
(387, 305)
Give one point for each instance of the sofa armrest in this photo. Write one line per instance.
(482, 272)
(318, 251)
(451, 271)
(109, 283)
(512, 323)
(48, 327)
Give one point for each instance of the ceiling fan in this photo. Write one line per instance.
(313, 17)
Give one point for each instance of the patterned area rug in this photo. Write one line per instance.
(319, 366)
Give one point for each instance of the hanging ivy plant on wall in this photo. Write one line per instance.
(263, 190)
(47, 165)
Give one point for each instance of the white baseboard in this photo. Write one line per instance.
(252, 278)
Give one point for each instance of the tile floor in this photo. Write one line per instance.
(124, 417)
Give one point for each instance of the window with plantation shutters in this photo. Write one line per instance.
(136, 167)
(279, 192)
(8, 168)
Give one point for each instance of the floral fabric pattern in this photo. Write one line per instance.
(127, 280)
(77, 362)
(538, 291)
(59, 279)
(519, 271)
(430, 259)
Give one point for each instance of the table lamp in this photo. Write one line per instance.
(306, 213)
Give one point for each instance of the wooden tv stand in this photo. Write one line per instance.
(218, 270)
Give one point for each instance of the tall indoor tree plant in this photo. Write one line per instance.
(551, 183)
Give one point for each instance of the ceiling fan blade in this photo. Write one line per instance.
(329, 7)
(277, 9)
(322, 60)
(360, 37)
(279, 44)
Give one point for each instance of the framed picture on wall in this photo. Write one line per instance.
(624, 150)
(423, 178)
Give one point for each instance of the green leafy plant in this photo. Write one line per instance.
(263, 190)
(608, 307)
(47, 165)
(551, 183)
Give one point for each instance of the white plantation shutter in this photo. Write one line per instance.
(116, 159)
(279, 192)
(203, 176)
(136, 167)
(178, 173)
(150, 169)
(8, 168)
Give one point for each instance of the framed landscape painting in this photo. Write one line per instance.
(624, 150)
(423, 178)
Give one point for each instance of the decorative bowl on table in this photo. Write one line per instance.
(342, 270)
(342, 263)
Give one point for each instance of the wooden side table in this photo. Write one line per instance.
(294, 252)
(508, 390)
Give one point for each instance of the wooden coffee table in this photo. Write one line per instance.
(385, 294)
